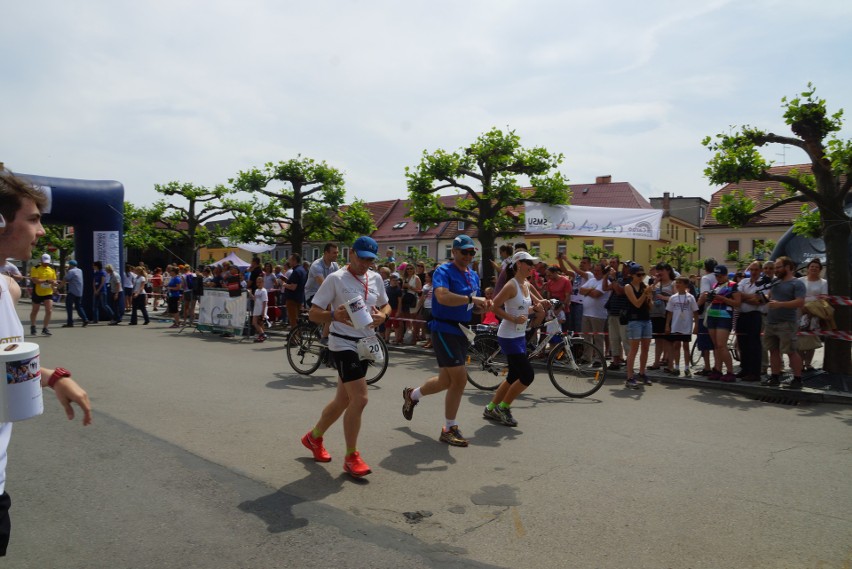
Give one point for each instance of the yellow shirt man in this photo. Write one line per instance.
(46, 275)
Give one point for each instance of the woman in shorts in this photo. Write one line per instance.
(639, 300)
(723, 299)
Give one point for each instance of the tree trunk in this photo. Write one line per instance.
(838, 353)
(487, 239)
(296, 230)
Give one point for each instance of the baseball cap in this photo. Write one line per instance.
(394, 275)
(522, 256)
(720, 270)
(72, 262)
(635, 269)
(463, 242)
(45, 258)
(366, 247)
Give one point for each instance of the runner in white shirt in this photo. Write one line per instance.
(20, 229)
(349, 401)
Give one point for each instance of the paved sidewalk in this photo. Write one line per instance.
(819, 386)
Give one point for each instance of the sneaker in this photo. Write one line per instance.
(631, 383)
(506, 416)
(714, 375)
(315, 446)
(596, 365)
(175, 326)
(672, 371)
(408, 404)
(645, 379)
(794, 383)
(46, 332)
(453, 437)
(492, 414)
(85, 323)
(687, 373)
(259, 339)
(33, 331)
(771, 381)
(614, 365)
(356, 467)
(750, 378)
(728, 378)
(67, 326)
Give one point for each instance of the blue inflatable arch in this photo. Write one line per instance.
(95, 209)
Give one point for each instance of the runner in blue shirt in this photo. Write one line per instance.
(453, 303)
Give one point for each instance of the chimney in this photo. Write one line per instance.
(666, 200)
(603, 179)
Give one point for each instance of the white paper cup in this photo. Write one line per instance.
(358, 312)
(20, 394)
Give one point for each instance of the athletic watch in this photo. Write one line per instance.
(58, 374)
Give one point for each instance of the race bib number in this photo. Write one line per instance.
(370, 349)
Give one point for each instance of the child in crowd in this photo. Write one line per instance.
(258, 315)
(681, 322)
(490, 318)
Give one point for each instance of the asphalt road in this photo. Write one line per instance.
(194, 460)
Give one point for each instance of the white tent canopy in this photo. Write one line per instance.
(233, 259)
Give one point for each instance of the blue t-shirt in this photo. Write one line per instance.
(100, 277)
(449, 276)
(174, 281)
(297, 277)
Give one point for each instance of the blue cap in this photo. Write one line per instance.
(72, 262)
(366, 247)
(463, 242)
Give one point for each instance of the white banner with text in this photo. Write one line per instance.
(593, 221)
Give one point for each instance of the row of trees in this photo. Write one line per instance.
(303, 200)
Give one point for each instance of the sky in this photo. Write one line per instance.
(150, 92)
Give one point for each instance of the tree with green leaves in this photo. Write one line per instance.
(140, 230)
(678, 256)
(736, 158)
(55, 237)
(306, 204)
(188, 207)
(486, 175)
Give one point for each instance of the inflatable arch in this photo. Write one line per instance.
(95, 209)
(803, 249)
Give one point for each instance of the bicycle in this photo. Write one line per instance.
(569, 373)
(305, 352)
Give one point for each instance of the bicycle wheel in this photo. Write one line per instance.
(487, 365)
(695, 354)
(572, 377)
(375, 370)
(304, 351)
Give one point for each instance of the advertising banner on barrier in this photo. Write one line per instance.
(220, 312)
(593, 221)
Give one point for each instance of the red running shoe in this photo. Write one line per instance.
(355, 466)
(315, 446)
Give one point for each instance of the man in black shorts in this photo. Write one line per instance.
(454, 298)
(44, 279)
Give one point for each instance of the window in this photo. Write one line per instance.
(535, 247)
(400, 225)
(609, 245)
(412, 250)
(448, 251)
(701, 212)
(276, 255)
(461, 225)
(561, 246)
(315, 254)
(677, 232)
(344, 255)
(733, 245)
(588, 243)
(424, 250)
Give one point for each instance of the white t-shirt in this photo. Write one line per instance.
(594, 307)
(342, 286)
(814, 288)
(708, 283)
(682, 307)
(745, 286)
(261, 297)
(11, 331)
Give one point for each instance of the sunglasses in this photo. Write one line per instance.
(470, 252)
